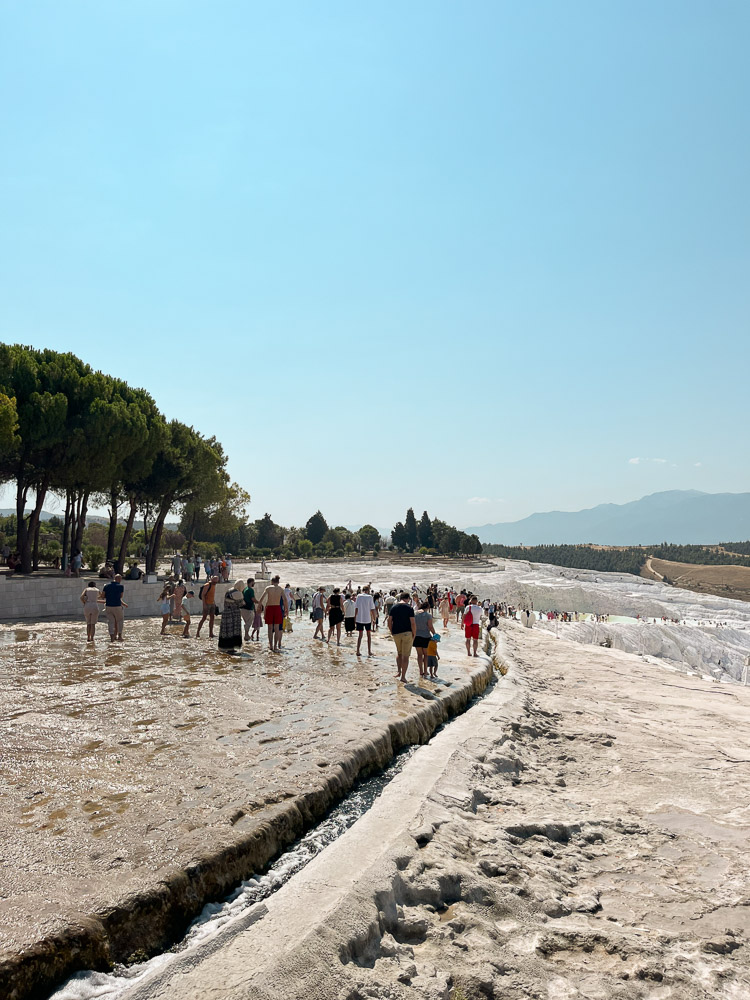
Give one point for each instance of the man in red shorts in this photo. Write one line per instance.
(277, 608)
(472, 615)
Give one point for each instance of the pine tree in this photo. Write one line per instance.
(412, 538)
(424, 531)
(398, 535)
(316, 527)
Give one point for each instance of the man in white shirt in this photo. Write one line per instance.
(365, 608)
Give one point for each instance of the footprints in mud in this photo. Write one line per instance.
(506, 889)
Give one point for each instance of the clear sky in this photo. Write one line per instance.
(484, 258)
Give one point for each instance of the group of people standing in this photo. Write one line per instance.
(410, 616)
(189, 566)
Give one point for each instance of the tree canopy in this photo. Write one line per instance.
(80, 434)
(316, 527)
(433, 536)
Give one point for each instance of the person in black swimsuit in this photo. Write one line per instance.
(335, 611)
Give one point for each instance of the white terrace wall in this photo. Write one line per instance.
(35, 598)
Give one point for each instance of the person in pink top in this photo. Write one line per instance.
(460, 602)
(472, 617)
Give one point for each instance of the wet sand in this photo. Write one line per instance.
(143, 778)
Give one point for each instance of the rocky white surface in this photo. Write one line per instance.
(712, 635)
(581, 833)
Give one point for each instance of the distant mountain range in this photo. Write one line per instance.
(680, 516)
(90, 519)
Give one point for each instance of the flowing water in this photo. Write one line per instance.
(214, 916)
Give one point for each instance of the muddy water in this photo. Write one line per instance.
(123, 763)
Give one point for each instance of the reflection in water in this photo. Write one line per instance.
(10, 636)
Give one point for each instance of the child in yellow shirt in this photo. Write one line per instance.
(432, 655)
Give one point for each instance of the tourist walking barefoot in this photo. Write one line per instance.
(424, 630)
(208, 596)
(276, 609)
(165, 606)
(318, 611)
(335, 614)
(403, 629)
(114, 604)
(248, 609)
(433, 656)
(445, 609)
(230, 629)
(257, 624)
(460, 602)
(472, 617)
(186, 609)
(350, 615)
(178, 593)
(365, 607)
(90, 602)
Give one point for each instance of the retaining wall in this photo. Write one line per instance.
(34, 598)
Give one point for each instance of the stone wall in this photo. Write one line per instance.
(35, 598)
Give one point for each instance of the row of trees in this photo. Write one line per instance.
(432, 536)
(743, 548)
(87, 437)
(265, 537)
(620, 560)
(706, 555)
(575, 556)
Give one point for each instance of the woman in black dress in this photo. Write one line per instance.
(335, 609)
(230, 630)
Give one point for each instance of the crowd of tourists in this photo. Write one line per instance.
(347, 612)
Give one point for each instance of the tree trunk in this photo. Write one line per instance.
(146, 540)
(35, 557)
(65, 560)
(21, 526)
(191, 535)
(29, 530)
(112, 525)
(120, 562)
(83, 506)
(73, 521)
(156, 533)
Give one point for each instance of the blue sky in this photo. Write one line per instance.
(474, 258)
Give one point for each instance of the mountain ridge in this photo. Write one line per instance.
(678, 516)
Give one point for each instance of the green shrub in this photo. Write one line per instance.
(93, 556)
(51, 551)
